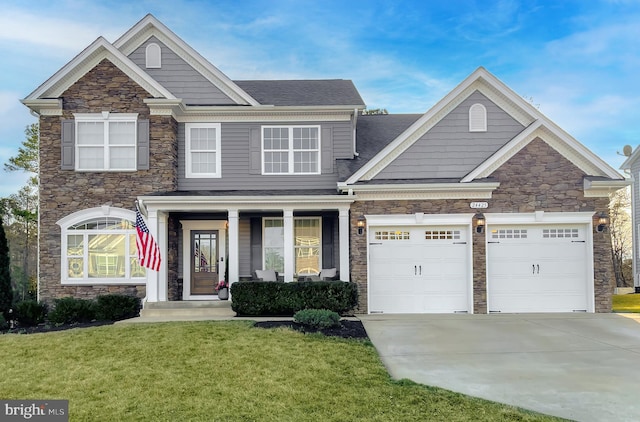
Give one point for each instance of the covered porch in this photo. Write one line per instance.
(205, 238)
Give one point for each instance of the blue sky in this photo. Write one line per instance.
(578, 61)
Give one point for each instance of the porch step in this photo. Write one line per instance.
(188, 309)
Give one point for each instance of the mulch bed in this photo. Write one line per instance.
(45, 328)
(348, 329)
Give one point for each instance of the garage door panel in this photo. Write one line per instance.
(419, 270)
(542, 270)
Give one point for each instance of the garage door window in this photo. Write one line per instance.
(509, 234)
(391, 235)
(442, 234)
(559, 233)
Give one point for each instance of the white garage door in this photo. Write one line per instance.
(419, 269)
(537, 268)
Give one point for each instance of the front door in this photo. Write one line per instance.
(204, 262)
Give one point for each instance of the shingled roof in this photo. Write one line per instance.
(373, 133)
(323, 92)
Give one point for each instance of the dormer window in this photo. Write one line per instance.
(477, 118)
(153, 56)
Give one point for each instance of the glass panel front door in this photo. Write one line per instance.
(204, 262)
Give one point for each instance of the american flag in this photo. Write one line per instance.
(148, 250)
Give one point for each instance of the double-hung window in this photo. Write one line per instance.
(202, 149)
(291, 150)
(106, 141)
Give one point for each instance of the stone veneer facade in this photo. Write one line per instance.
(62, 192)
(537, 178)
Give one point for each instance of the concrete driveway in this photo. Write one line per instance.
(583, 367)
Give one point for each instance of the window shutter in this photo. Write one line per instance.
(68, 141)
(255, 158)
(326, 154)
(143, 145)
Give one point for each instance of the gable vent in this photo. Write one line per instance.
(477, 118)
(153, 56)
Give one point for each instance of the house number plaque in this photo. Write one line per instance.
(477, 205)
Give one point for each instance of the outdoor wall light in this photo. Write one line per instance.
(360, 224)
(480, 222)
(603, 222)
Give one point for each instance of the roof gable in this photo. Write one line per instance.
(149, 26)
(518, 108)
(449, 149)
(99, 50)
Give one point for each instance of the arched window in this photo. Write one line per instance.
(153, 56)
(99, 247)
(477, 118)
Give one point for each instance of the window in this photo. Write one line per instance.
(559, 233)
(153, 56)
(307, 232)
(273, 244)
(392, 235)
(509, 234)
(202, 145)
(101, 248)
(442, 234)
(291, 150)
(477, 118)
(106, 141)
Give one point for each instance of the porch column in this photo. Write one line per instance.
(233, 252)
(289, 257)
(153, 276)
(163, 244)
(343, 233)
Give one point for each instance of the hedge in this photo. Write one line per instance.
(259, 298)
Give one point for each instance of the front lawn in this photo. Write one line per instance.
(222, 371)
(626, 303)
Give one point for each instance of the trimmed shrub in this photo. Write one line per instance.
(256, 298)
(115, 307)
(30, 312)
(70, 310)
(3, 322)
(317, 318)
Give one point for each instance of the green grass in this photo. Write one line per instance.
(223, 371)
(626, 303)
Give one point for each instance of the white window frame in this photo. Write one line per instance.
(153, 56)
(290, 150)
(105, 118)
(90, 214)
(295, 248)
(188, 151)
(477, 118)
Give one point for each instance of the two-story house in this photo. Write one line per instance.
(481, 204)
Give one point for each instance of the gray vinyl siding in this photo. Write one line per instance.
(449, 150)
(180, 78)
(238, 172)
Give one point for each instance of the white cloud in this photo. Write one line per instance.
(18, 26)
